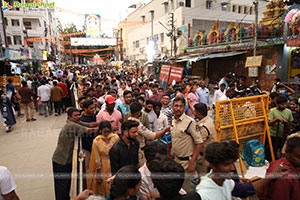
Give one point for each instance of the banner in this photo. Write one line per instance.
(93, 41)
(12, 54)
(44, 55)
(175, 74)
(293, 43)
(24, 54)
(183, 39)
(93, 26)
(164, 73)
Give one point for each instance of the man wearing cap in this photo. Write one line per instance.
(111, 114)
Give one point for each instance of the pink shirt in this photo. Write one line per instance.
(115, 118)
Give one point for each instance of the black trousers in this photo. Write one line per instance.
(57, 107)
(64, 104)
(62, 180)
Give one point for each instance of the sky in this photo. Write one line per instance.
(111, 11)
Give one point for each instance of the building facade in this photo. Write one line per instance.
(26, 23)
(200, 15)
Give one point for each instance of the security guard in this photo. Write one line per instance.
(186, 142)
(208, 132)
(143, 132)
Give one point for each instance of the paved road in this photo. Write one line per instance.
(27, 153)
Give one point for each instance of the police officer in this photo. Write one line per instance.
(186, 142)
(208, 132)
(143, 132)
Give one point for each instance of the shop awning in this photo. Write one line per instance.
(211, 56)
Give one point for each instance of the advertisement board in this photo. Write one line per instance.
(175, 74)
(164, 73)
(93, 26)
(93, 41)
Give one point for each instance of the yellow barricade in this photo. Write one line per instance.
(243, 119)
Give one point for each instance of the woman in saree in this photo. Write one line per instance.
(100, 163)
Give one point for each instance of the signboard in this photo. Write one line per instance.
(253, 71)
(184, 38)
(93, 26)
(93, 41)
(24, 54)
(44, 55)
(175, 74)
(293, 43)
(254, 61)
(164, 73)
(12, 54)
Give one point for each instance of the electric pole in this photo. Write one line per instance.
(171, 32)
(255, 27)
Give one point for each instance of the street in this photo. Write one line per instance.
(27, 153)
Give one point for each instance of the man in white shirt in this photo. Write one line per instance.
(7, 185)
(44, 93)
(218, 94)
(151, 115)
(162, 120)
(204, 94)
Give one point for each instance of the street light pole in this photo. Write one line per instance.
(255, 27)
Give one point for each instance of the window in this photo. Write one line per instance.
(188, 3)
(251, 10)
(143, 18)
(224, 6)
(245, 10)
(9, 40)
(30, 44)
(137, 44)
(208, 4)
(17, 40)
(166, 6)
(15, 22)
(133, 44)
(5, 21)
(162, 37)
(27, 25)
(240, 9)
(234, 8)
(172, 4)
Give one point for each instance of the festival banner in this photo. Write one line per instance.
(93, 26)
(164, 73)
(184, 38)
(175, 74)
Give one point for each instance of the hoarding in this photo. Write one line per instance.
(93, 42)
(164, 73)
(175, 74)
(93, 26)
(254, 61)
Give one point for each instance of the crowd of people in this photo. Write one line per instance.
(122, 118)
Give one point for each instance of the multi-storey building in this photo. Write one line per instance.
(25, 23)
(201, 15)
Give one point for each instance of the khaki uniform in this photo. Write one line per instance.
(184, 139)
(143, 133)
(208, 132)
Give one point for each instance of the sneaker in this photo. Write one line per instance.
(27, 120)
(33, 119)
(8, 129)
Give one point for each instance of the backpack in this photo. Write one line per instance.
(254, 153)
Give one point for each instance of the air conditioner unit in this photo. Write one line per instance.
(181, 4)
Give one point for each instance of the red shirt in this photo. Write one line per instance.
(286, 188)
(64, 88)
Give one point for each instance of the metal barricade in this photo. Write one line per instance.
(243, 119)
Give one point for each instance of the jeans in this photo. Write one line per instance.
(57, 107)
(62, 180)
(45, 104)
(64, 104)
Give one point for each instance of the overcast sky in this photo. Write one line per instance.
(113, 10)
